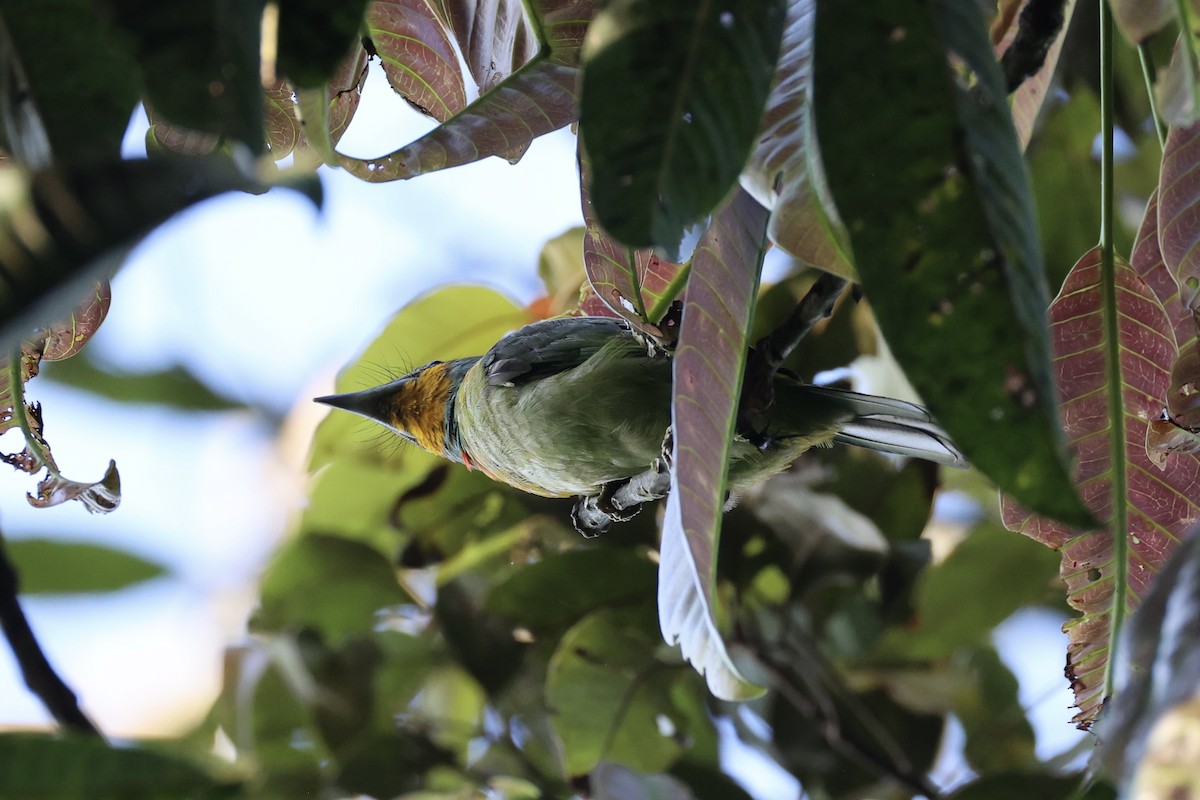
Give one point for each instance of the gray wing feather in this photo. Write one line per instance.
(548, 347)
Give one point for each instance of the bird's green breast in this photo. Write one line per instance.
(571, 432)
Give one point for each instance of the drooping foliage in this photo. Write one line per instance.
(427, 632)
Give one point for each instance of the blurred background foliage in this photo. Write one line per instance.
(423, 632)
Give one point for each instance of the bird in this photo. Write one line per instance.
(575, 406)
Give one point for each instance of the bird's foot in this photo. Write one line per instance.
(620, 501)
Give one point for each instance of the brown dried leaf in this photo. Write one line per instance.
(100, 497)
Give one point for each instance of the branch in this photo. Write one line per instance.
(39, 675)
(758, 391)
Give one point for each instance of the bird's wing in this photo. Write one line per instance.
(548, 347)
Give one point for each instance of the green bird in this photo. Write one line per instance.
(579, 405)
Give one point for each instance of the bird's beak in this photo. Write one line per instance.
(370, 403)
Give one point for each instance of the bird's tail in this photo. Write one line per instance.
(891, 426)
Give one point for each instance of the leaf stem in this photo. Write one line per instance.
(38, 673)
(1119, 524)
(16, 385)
(1147, 62)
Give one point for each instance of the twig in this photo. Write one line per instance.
(758, 392)
(39, 675)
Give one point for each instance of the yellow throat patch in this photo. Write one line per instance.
(419, 407)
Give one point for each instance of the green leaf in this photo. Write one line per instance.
(999, 736)
(64, 64)
(708, 377)
(946, 243)
(989, 563)
(665, 155)
(1032, 785)
(200, 63)
(534, 100)
(36, 767)
(327, 583)
(314, 37)
(176, 386)
(555, 592)
(48, 566)
(614, 782)
(614, 701)
(785, 172)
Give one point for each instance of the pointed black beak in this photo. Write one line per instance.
(370, 403)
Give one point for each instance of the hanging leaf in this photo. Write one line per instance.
(1177, 85)
(664, 156)
(1027, 100)
(1107, 574)
(785, 172)
(946, 245)
(62, 62)
(200, 63)
(1158, 672)
(314, 38)
(635, 284)
(709, 360)
(417, 56)
(494, 36)
(536, 99)
(99, 497)
(1179, 215)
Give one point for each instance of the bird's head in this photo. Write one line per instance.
(419, 406)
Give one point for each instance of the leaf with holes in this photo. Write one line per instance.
(667, 154)
(1105, 574)
(1026, 102)
(709, 360)
(947, 245)
(536, 99)
(785, 172)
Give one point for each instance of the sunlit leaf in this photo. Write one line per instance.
(314, 37)
(200, 63)
(614, 701)
(946, 245)
(327, 583)
(708, 378)
(39, 767)
(664, 156)
(560, 266)
(1105, 577)
(536, 99)
(784, 172)
(63, 62)
(417, 56)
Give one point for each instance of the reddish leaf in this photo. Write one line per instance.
(1147, 262)
(637, 285)
(784, 171)
(65, 339)
(418, 56)
(1158, 505)
(709, 360)
(1179, 211)
(538, 98)
(493, 35)
(282, 126)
